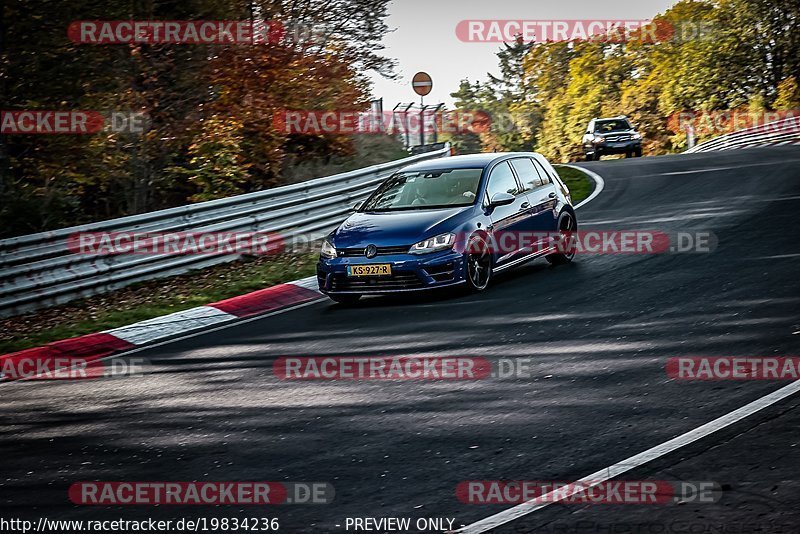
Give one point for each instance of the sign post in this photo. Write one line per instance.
(422, 84)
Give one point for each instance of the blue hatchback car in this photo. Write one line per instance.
(439, 223)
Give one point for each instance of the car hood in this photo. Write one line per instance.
(396, 228)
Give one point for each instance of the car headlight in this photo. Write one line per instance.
(434, 244)
(327, 251)
(598, 139)
(636, 136)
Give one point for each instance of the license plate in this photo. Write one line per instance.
(374, 269)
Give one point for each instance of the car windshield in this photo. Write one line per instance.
(614, 125)
(440, 188)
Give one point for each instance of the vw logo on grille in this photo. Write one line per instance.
(371, 251)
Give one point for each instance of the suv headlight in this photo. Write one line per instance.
(434, 244)
(327, 251)
(598, 139)
(636, 136)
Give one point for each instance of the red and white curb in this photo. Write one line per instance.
(99, 345)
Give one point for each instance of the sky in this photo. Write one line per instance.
(425, 38)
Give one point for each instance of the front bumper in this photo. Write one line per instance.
(618, 147)
(410, 272)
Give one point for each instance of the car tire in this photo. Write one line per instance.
(566, 223)
(478, 264)
(639, 152)
(596, 156)
(589, 156)
(346, 300)
(628, 154)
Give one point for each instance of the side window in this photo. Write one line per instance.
(530, 176)
(502, 181)
(543, 173)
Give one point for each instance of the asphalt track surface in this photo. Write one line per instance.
(599, 332)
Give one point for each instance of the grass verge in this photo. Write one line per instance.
(579, 184)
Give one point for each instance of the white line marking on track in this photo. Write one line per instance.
(715, 169)
(598, 180)
(776, 257)
(628, 464)
(695, 171)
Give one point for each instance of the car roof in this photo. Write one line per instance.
(467, 161)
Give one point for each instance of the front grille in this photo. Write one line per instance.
(382, 251)
(441, 273)
(398, 280)
(614, 138)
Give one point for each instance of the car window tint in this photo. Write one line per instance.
(434, 188)
(502, 180)
(545, 176)
(530, 176)
(613, 125)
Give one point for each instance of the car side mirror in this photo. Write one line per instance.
(357, 206)
(501, 199)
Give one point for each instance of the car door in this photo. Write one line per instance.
(541, 194)
(545, 200)
(510, 220)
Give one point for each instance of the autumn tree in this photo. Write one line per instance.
(209, 108)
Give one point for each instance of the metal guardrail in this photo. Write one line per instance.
(39, 270)
(773, 132)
